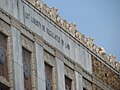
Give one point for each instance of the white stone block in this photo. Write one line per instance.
(60, 75)
(41, 84)
(17, 60)
(18, 77)
(78, 81)
(40, 67)
(17, 47)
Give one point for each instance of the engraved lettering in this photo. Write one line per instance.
(47, 30)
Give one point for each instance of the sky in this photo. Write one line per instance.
(99, 19)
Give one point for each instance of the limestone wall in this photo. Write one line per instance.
(52, 40)
(105, 75)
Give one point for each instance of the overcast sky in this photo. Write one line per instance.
(99, 19)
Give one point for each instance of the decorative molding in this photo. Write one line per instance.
(52, 14)
(27, 43)
(4, 81)
(80, 38)
(49, 58)
(69, 72)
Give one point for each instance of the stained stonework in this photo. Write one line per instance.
(68, 83)
(105, 74)
(57, 55)
(49, 58)
(95, 87)
(50, 71)
(69, 78)
(27, 69)
(86, 84)
(3, 56)
(48, 76)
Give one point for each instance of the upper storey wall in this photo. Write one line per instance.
(65, 41)
(52, 34)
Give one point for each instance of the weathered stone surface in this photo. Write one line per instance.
(69, 72)
(17, 59)
(105, 74)
(95, 87)
(78, 81)
(40, 67)
(41, 84)
(49, 58)
(38, 24)
(13, 7)
(87, 84)
(83, 58)
(60, 75)
(53, 35)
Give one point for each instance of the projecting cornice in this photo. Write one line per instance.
(70, 28)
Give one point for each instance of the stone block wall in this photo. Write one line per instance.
(68, 59)
(105, 74)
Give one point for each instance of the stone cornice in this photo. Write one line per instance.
(82, 39)
(52, 14)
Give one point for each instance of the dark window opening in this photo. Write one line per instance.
(68, 83)
(84, 89)
(3, 56)
(3, 87)
(26, 69)
(48, 76)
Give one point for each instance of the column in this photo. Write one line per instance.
(78, 81)
(60, 74)
(40, 67)
(17, 60)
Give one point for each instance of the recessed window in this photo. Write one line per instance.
(26, 69)
(68, 83)
(84, 89)
(3, 56)
(3, 87)
(48, 76)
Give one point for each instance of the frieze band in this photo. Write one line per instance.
(47, 30)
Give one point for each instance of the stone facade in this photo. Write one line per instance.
(105, 74)
(45, 52)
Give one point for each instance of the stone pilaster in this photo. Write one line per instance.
(40, 67)
(17, 60)
(78, 81)
(60, 74)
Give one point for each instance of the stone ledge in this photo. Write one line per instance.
(107, 58)
(52, 14)
(4, 81)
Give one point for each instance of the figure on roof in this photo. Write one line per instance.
(53, 13)
(46, 9)
(39, 5)
(101, 50)
(32, 1)
(111, 58)
(89, 43)
(78, 35)
(72, 29)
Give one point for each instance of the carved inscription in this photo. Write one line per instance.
(105, 74)
(37, 23)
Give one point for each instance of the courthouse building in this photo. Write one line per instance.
(39, 50)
